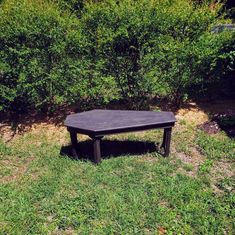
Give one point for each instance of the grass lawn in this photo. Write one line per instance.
(191, 192)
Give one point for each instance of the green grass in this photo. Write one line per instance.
(146, 194)
(216, 148)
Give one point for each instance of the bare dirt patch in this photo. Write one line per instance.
(18, 168)
(194, 159)
(6, 132)
(192, 114)
(210, 127)
(200, 112)
(222, 170)
(222, 121)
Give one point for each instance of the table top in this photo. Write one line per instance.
(97, 122)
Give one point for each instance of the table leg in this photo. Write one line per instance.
(166, 141)
(74, 141)
(97, 152)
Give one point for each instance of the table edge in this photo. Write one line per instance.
(96, 133)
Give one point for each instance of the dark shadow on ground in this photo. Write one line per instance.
(22, 123)
(111, 148)
(219, 108)
(230, 131)
(211, 106)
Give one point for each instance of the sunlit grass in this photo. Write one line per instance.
(44, 193)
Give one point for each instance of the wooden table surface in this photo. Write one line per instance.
(102, 122)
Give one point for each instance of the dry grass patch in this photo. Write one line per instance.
(17, 167)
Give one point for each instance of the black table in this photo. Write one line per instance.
(97, 123)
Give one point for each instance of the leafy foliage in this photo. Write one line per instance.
(36, 54)
(64, 52)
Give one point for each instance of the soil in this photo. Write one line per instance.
(210, 127)
(217, 124)
(195, 113)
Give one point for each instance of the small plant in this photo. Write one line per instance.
(206, 166)
(227, 184)
(188, 167)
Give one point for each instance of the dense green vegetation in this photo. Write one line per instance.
(42, 192)
(57, 53)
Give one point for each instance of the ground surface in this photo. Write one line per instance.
(133, 191)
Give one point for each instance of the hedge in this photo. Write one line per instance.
(58, 53)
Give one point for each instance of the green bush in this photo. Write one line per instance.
(159, 48)
(56, 53)
(74, 6)
(42, 58)
(37, 55)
